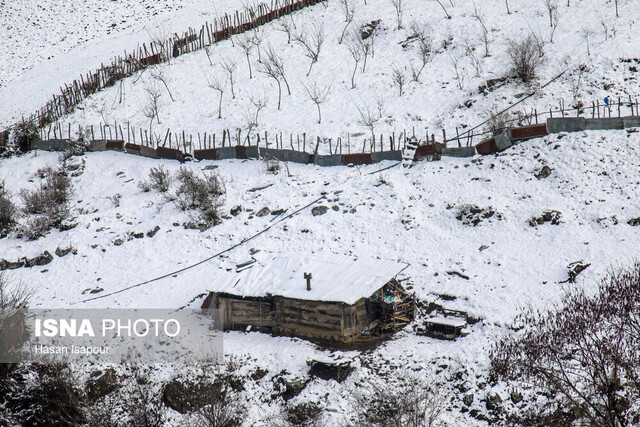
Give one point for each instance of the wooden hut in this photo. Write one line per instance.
(323, 297)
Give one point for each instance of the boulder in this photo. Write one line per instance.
(43, 259)
(319, 210)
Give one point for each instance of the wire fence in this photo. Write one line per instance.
(501, 122)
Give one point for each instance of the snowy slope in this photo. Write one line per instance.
(393, 215)
(434, 102)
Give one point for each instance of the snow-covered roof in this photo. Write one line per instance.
(338, 278)
(456, 322)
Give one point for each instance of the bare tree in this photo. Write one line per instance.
(246, 45)
(286, 25)
(230, 66)
(397, 6)
(311, 43)
(555, 21)
(470, 51)
(443, 8)
(586, 34)
(424, 48)
(257, 38)
(399, 78)
(582, 352)
(459, 70)
(218, 85)
(367, 118)
(317, 94)
(349, 9)
(259, 102)
(552, 8)
(380, 100)
(159, 36)
(485, 32)
(355, 49)
(506, 2)
(207, 51)
(151, 109)
(160, 76)
(273, 67)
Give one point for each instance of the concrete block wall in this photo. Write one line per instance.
(379, 156)
(566, 124)
(459, 151)
(328, 160)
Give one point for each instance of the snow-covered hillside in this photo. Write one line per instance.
(394, 214)
(423, 216)
(446, 94)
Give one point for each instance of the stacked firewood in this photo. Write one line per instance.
(397, 308)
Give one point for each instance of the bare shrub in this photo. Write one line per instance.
(48, 204)
(349, 10)
(424, 47)
(317, 94)
(218, 406)
(412, 403)
(20, 138)
(200, 193)
(230, 67)
(525, 57)
(8, 211)
(160, 179)
(582, 353)
(311, 43)
(496, 122)
(77, 146)
(272, 165)
(51, 397)
(142, 403)
(304, 414)
(273, 66)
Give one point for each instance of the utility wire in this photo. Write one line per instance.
(230, 248)
(509, 107)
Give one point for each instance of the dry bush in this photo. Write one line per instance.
(142, 403)
(48, 204)
(200, 193)
(272, 165)
(496, 121)
(50, 398)
(582, 354)
(525, 56)
(413, 403)
(8, 211)
(160, 180)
